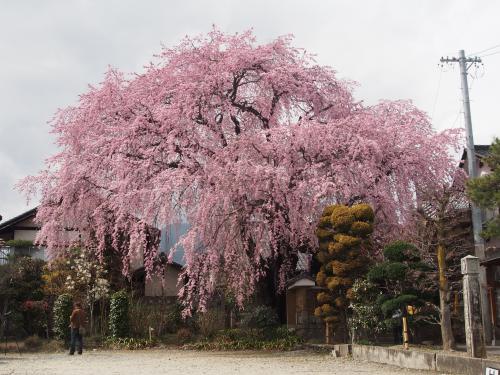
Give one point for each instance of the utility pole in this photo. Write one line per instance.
(477, 221)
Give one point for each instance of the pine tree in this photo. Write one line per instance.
(402, 278)
(485, 190)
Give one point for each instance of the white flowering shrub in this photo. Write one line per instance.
(367, 319)
(87, 281)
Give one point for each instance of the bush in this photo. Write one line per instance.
(400, 251)
(366, 320)
(260, 317)
(62, 312)
(129, 343)
(33, 343)
(162, 316)
(52, 346)
(35, 316)
(19, 243)
(118, 315)
(184, 335)
(250, 339)
(208, 323)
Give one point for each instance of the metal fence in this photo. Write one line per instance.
(7, 252)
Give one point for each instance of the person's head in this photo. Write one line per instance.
(77, 305)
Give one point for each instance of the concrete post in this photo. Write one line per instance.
(474, 334)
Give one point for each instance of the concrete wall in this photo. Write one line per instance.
(421, 360)
(458, 365)
(402, 358)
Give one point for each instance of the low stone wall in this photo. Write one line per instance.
(396, 357)
(459, 365)
(413, 359)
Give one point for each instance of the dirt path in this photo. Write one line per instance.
(157, 362)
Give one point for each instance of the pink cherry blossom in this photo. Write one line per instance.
(247, 142)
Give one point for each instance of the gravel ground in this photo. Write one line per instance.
(189, 362)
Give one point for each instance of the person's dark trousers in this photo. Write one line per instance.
(76, 336)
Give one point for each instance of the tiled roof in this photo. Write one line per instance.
(481, 152)
(18, 219)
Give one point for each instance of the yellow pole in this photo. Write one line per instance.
(405, 333)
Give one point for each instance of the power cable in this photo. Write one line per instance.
(484, 50)
(491, 54)
(437, 91)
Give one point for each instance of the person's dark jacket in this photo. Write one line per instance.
(77, 319)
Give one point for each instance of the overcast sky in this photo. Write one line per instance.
(51, 50)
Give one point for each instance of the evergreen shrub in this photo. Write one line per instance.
(118, 315)
(62, 312)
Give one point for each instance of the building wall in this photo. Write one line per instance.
(24, 230)
(25, 234)
(154, 287)
(300, 305)
(166, 287)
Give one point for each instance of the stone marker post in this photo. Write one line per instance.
(474, 334)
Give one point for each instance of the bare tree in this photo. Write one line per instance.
(444, 237)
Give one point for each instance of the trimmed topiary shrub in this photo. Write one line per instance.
(62, 312)
(403, 280)
(118, 315)
(343, 233)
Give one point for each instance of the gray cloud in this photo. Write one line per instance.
(51, 51)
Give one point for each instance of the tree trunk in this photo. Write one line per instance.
(444, 299)
(91, 330)
(3, 317)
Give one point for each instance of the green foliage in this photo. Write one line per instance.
(278, 338)
(55, 276)
(118, 315)
(399, 302)
(485, 190)
(343, 232)
(129, 343)
(260, 317)
(21, 279)
(61, 314)
(401, 279)
(20, 288)
(388, 271)
(19, 243)
(209, 322)
(366, 318)
(400, 251)
(163, 317)
(35, 317)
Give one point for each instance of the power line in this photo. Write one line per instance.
(491, 54)
(484, 50)
(437, 91)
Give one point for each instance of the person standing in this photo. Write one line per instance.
(77, 320)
